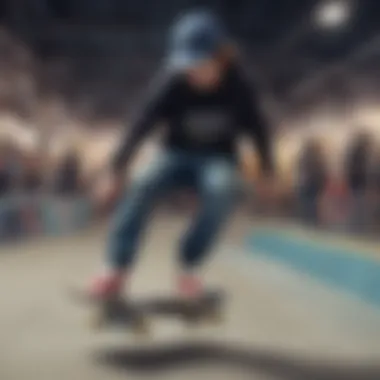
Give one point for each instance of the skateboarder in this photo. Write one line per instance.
(205, 104)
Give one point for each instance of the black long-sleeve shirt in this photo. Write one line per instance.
(198, 121)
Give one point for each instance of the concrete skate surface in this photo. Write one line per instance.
(279, 324)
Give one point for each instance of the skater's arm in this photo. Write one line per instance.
(153, 110)
(256, 126)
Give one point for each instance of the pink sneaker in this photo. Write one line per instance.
(190, 286)
(106, 286)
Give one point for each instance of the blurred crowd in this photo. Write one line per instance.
(23, 172)
(43, 195)
(38, 195)
(347, 199)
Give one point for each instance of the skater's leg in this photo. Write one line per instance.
(130, 219)
(218, 188)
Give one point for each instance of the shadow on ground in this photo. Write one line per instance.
(250, 361)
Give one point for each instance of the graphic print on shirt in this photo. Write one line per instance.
(207, 126)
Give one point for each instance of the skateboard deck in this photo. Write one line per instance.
(136, 314)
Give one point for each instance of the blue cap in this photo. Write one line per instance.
(195, 37)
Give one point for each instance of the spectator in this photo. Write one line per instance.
(5, 171)
(68, 175)
(10, 169)
(31, 185)
(67, 210)
(374, 190)
(356, 173)
(32, 178)
(334, 204)
(311, 181)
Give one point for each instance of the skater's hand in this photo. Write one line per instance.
(108, 190)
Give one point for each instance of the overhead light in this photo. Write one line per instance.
(333, 14)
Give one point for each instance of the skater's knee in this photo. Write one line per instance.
(221, 184)
(154, 178)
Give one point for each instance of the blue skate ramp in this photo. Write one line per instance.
(352, 267)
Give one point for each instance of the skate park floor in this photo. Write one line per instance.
(279, 324)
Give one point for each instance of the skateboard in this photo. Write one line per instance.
(136, 314)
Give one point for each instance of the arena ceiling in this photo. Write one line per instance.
(284, 39)
(271, 29)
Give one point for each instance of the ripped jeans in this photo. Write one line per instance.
(216, 181)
